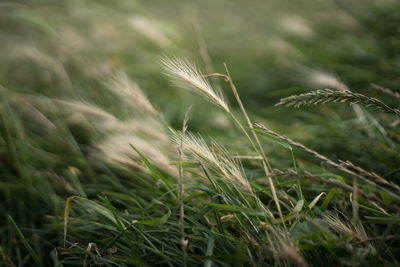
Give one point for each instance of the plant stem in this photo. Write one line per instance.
(265, 161)
(181, 189)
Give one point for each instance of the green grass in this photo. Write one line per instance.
(96, 170)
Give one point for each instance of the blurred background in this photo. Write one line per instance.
(68, 49)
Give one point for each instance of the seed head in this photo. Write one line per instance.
(188, 76)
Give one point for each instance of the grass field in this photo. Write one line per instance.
(199, 133)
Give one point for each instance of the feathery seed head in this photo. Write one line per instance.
(73, 106)
(149, 30)
(345, 228)
(217, 159)
(195, 146)
(186, 75)
(324, 79)
(296, 26)
(130, 92)
(116, 148)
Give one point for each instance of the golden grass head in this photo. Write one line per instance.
(130, 92)
(215, 158)
(186, 75)
(344, 227)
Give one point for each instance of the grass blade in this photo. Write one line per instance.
(25, 242)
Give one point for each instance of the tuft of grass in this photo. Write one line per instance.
(28, 247)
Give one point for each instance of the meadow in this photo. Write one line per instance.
(199, 133)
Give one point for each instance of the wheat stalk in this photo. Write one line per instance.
(324, 96)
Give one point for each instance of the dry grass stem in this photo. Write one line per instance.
(318, 156)
(223, 76)
(180, 181)
(379, 179)
(354, 206)
(247, 157)
(265, 162)
(386, 91)
(290, 253)
(89, 249)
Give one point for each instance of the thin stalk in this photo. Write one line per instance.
(244, 130)
(265, 161)
(181, 189)
(355, 218)
(299, 191)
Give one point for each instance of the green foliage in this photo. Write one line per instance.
(89, 173)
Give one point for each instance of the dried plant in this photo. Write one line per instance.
(290, 253)
(347, 164)
(217, 159)
(180, 184)
(324, 96)
(265, 162)
(345, 228)
(188, 76)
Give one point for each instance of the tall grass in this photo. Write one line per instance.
(102, 164)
